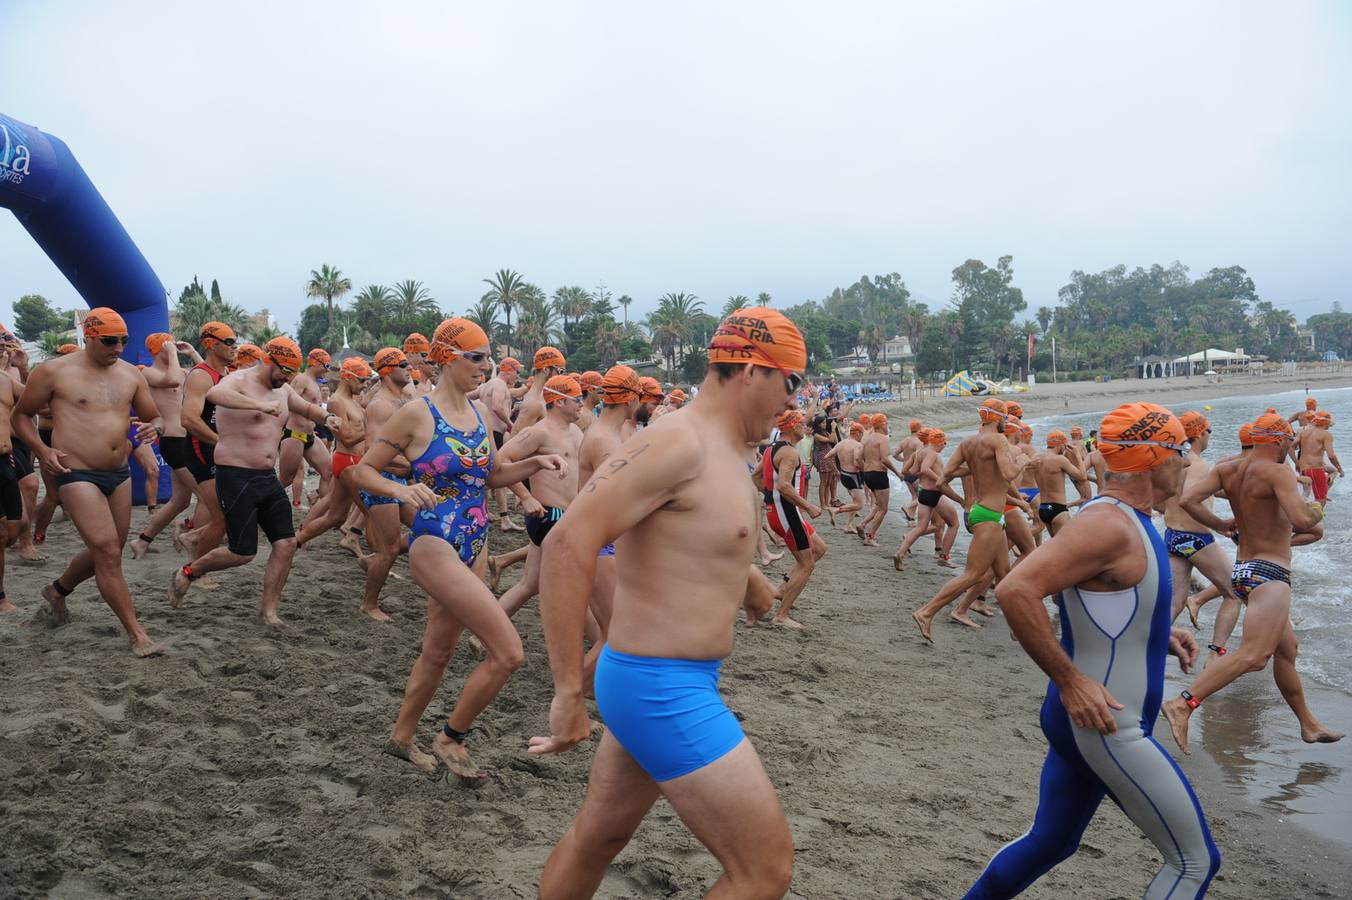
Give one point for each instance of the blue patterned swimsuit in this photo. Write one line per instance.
(455, 466)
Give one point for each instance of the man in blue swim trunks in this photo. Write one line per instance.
(674, 499)
(1268, 512)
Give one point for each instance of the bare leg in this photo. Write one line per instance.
(805, 561)
(987, 551)
(274, 578)
(183, 491)
(519, 594)
(42, 517)
(875, 519)
(919, 530)
(28, 488)
(1284, 672)
(382, 536)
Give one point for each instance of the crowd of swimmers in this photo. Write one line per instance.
(644, 557)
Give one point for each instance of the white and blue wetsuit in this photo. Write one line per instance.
(1120, 638)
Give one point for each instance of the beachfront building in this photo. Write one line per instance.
(1204, 361)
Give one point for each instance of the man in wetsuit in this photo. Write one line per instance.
(198, 418)
(90, 393)
(1050, 471)
(1107, 570)
(783, 484)
(250, 407)
(1313, 444)
(990, 461)
(675, 500)
(1268, 511)
(551, 492)
(297, 444)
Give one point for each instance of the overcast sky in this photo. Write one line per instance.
(710, 147)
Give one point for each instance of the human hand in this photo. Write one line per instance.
(1183, 645)
(532, 507)
(51, 460)
(333, 422)
(270, 407)
(568, 725)
(552, 462)
(814, 510)
(419, 496)
(1089, 704)
(145, 431)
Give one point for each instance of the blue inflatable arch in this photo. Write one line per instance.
(47, 190)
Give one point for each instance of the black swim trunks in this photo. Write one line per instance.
(46, 435)
(498, 438)
(875, 481)
(910, 479)
(252, 499)
(104, 480)
(175, 451)
(23, 458)
(11, 500)
(1049, 511)
(539, 526)
(928, 497)
(850, 480)
(201, 460)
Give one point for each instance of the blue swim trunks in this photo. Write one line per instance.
(607, 550)
(1029, 493)
(370, 500)
(1185, 543)
(667, 713)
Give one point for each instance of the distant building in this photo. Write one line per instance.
(1306, 338)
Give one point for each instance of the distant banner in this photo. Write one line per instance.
(27, 162)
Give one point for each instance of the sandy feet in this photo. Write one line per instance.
(139, 548)
(143, 647)
(31, 554)
(896, 561)
(52, 613)
(787, 623)
(178, 589)
(507, 524)
(1194, 608)
(945, 562)
(768, 558)
(980, 608)
(494, 573)
(6, 606)
(924, 623)
(1176, 711)
(412, 753)
(456, 757)
(270, 617)
(376, 614)
(963, 619)
(1318, 734)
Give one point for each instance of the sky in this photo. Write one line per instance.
(705, 147)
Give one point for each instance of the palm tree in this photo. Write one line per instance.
(1044, 318)
(539, 324)
(263, 335)
(484, 313)
(607, 342)
(328, 282)
(915, 321)
(52, 341)
(735, 302)
(953, 329)
(195, 309)
(666, 333)
(504, 289)
(763, 299)
(681, 310)
(624, 301)
(411, 302)
(873, 339)
(371, 308)
(572, 303)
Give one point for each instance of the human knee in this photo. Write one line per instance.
(286, 547)
(770, 874)
(1254, 660)
(509, 658)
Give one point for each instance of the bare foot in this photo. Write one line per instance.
(1320, 735)
(924, 623)
(870, 542)
(830, 511)
(206, 583)
(271, 618)
(896, 561)
(178, 588)
(494, 573)
(946, 563)
(1193, 609)
(30, 553)
(6, 606)
(508, 525)
(787, 623)
(411, 752)
(768, 558)
(376, 614)
(145, 648)
(349, 543)
(476, 647)
(52, 612)
(981, 609)
(1177, 712)
(139, 548)
(963, 619)
(456, 757)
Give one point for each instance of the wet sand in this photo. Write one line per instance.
(246, 761)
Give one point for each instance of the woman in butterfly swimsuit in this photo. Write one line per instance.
(453, 467)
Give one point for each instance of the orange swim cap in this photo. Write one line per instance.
(103, 322)
(1194, 423)
(677, 398)
(923, 434)
(1310, 403)
(916, 425)
(1026, 430)
(789, 419)
(249, 353)
(387, 359)
(937, 438)
(549, 357)
(879, 422)
(284, 353)
(992, 410)
(1138, 437)
(620, 385)
(561, 387)
(1014, 408)
(856, 428)
(1056, 439)
(212, 332)
(354, 368)
(649, 390)
(1271, 410)
(1076, 432)
(761, 336)
(455, 334)
(510, 362)
(155, 342)
(1323, 419)
(591, 381)
(67, 348)
(417, 343)
(319, 357)
(1246, 434)
(1270, 428)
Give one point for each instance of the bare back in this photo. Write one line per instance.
(983, 452)
(1313, 443)
(1253, 485)
(1175, 516)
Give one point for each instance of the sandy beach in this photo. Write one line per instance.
(246, 761)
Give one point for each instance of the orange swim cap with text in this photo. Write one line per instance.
(455, 334)
(650, 391)
(1056, 438)
(761, 336)
(387, 359)
(591, 381)
(1194, 423)
(1138, 437)
(67, 348)
(1014, 408)
(212, 332)
(549, 357)
(354, 368)
(155, 342)
(620, 385)
(992, 410)
(103, 322)
(561, 387)
(319, 357)
(284, 353)
(789, 419)
(937, 438)
(248, 353)
(1269, 428)
(417, 343)
(1322, 419)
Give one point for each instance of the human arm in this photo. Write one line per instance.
(189, 350)
(1078, 554)
(786, 467)
(172, 374)
(642, 476)
(1304, 516)
(1011, 464)
(195, 389)
(1194, 500)
(1333, 457)
(394, 436)
(148, 421)
(227, 397)
(37, 393)
(1183, 645)
(312, 411)
(522, 446)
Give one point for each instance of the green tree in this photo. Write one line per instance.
(33, 315)
(412, 307)
(51, 342)
(313, 325)
(986, 300)
(735, 302)
(505, 289)
(194, 309)
(694, 366)
(327, 282)
(608, 341)
(372, 307)
(624, 300)
(484, 313)
(572, 303)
